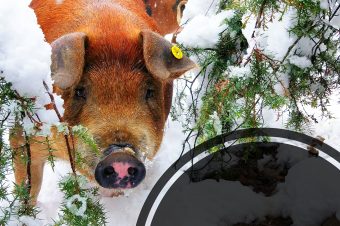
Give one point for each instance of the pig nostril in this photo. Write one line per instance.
(119, 171)
(132, 171)
(108, 171)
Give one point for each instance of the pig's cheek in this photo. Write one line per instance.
(88, 174)
(92, 159)
(150, 152)
(148, 145)
(92, 163)
(87, 169)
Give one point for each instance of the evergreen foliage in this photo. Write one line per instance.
(15, 200)
(237, 101)
(81, 205)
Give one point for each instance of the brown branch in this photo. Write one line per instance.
(53, 102)
(290, 49)
(70, 155)
(70, 151)
(28, 168)
(22, 101)
(259, 16)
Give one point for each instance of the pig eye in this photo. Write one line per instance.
(80, 92)
(150, 93)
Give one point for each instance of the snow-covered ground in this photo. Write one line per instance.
(127, 208)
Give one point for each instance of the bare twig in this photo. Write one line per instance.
(70, 151)
(28, 167)
(259, 16)
(334, 13)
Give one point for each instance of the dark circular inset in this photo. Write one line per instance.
(207, 179)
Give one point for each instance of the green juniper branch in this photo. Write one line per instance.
(238, 101)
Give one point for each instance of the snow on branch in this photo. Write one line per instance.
(25, 59)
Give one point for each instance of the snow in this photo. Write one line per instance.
(301, 62)
(335, 21)
(25, 56)
(283, 84)
(324, 4)
(331, 4)
(29, 221)
(28, 57)
(203, 31)
(279, 40)
(274, 40)
(202, 24)
(239, 72)
(216, 123)
(198, 7)
(117, 207)
(73, 202)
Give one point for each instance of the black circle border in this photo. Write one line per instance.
(221, 139)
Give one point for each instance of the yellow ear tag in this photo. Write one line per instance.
(177, 52)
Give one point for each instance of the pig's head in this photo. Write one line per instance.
(123, 97)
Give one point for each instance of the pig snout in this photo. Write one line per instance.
(120, 168)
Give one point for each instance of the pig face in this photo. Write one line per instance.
(123, 102)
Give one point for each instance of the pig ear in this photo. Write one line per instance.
(159, 60)
(68, 58)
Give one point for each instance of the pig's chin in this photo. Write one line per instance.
(106, 192)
